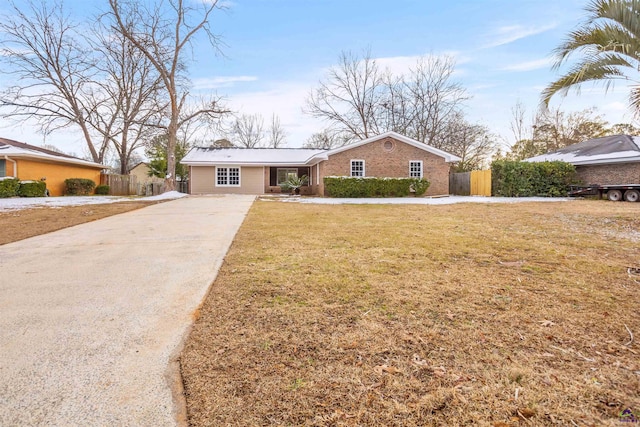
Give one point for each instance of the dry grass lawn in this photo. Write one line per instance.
(21, 224)
(495, 315)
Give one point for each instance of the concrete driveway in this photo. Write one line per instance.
(91, 316)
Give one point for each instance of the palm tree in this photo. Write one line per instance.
(609, 42)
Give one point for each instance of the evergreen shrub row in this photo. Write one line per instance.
(78, 186)
(9, 187)
(357, 187)
(32, 189)
(12, 187)
(102, 190)
(528, 179)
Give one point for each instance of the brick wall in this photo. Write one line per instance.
(622, 173)
(393, 163)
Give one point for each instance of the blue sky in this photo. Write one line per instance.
(277, 50)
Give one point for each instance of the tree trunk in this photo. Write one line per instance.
(172, 139)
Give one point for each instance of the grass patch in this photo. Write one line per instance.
(421, 315)
(24, 223)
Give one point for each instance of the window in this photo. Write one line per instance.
(3, 168)
(227, 177)
(415, 169)
(357, 167)
(285, 174)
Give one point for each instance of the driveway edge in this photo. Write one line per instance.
(173, 373)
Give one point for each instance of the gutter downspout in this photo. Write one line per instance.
(15, 166)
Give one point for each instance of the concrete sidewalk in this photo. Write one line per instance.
(91, 316)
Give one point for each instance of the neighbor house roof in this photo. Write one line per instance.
(608, 149)
(201, 156)
(20, 150)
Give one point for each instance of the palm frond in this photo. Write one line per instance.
(624, 13)
(596, 40)
(608, 43)
(604, 71)
(634, 101)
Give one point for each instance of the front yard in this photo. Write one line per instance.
(464, 314)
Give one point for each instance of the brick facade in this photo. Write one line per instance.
(621, 173)
(389, 158)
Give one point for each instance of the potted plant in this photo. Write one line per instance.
(293, 183)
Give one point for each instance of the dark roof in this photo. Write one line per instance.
(608, 149)
(604, 145)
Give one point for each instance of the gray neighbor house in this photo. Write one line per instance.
(609, 160)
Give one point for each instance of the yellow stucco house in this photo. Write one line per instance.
(30, 163)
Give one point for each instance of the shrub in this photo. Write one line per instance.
(345, 186)
(32, 189)
(102, 190)
(78, 186)
(9, 187)
(526, 179)
(293, 183)
(420, 186)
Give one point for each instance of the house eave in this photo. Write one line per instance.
(247, 164)
(606, 161)
(587, 162)
(51, 159)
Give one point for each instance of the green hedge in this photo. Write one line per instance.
(344, 186)
(78, 186)
(102, 190)
(32, 189)
(9, 187)
(527, 179)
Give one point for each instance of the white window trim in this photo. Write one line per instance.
(229, 185)
(364, 168)
(421, 168)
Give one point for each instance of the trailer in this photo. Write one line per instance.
(614, 192)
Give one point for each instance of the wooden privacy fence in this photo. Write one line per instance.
(474, 183)
(119, 185)
(460, 183)
(481, 183)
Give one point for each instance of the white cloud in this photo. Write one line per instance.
(220, 81)
(616, 106)
(510, 33)
(286, 100)
(536, 64)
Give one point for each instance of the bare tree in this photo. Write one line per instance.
(96, 80)
(163, 32)
(221, 143)
(359, 100)
(434, 98)
(129, 104)
(277, 134)
(350, 97)
(519, 127)
(326, 140)
(473, 143)
(46, 54)
(552, 129)
(247, 130)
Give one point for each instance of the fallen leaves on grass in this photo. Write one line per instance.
(405, 316)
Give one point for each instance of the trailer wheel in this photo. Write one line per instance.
(614, 195)
(631, 195)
